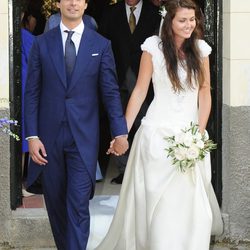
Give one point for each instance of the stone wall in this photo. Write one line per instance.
(5, 212)
(236, 172)
(22, 227)
(236, 119)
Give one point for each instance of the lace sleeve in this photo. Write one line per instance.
(205, 49)
(149, 44)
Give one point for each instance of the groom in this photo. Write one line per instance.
(68, 67)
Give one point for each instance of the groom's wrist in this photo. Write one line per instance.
(118, 136)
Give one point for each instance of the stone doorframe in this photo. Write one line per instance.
(213, 35)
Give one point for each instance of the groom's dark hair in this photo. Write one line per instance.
(87, 1)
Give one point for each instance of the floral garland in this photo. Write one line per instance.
(5, 124)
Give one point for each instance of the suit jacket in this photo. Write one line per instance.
(127, 47)
(48, 99)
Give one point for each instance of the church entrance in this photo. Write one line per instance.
(213, 35)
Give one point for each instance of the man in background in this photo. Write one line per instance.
(127, 24)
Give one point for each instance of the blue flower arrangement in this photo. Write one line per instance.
(5, 125)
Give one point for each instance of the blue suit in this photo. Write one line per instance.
(65, 116)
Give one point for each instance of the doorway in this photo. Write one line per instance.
(213, 35)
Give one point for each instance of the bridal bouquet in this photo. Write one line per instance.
(5, 127)
(188, 147)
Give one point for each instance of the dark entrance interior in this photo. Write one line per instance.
(213, 35)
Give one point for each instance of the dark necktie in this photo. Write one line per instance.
(70, 55)
(132, 20)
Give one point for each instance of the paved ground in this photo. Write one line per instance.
(219, 246)
(105, 188)
(222, 246)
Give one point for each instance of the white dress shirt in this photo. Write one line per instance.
(137, 11)
(76, 37)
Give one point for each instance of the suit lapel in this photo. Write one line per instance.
(82, 58)
(57, 55)
(142, 20)
(124, 22)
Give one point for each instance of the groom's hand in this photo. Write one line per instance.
(37, 151)
(119, 145)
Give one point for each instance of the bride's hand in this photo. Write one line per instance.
(118, 146)
(202, 130)
(111, 149)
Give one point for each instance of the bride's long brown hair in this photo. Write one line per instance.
(189, 48)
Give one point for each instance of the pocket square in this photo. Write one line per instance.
(95, 54)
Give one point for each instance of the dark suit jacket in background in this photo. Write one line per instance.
(126, 46)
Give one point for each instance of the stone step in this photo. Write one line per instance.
(102, 209)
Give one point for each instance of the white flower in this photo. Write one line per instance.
(180, 153)
(163, 12)
(188, 147)
(198, 136)
(200, 144)
(179, 138)
(188, 139)
(192, 152)
(206, 135)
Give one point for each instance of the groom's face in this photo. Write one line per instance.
(72, 10)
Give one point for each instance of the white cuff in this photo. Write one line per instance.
(121, 136)
(32, 137)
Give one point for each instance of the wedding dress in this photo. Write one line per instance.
(161, 208)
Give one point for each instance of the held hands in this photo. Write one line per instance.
(37, 151)
(118, 146)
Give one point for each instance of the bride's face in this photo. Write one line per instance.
(183, 24)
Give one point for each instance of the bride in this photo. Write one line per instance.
(161, 208)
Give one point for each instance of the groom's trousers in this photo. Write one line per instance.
(67, 188)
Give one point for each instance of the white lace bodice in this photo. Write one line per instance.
(169, 108)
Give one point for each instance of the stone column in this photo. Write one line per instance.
(236, 119)
(5, 212)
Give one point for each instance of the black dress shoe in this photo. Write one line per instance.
(117, 180)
